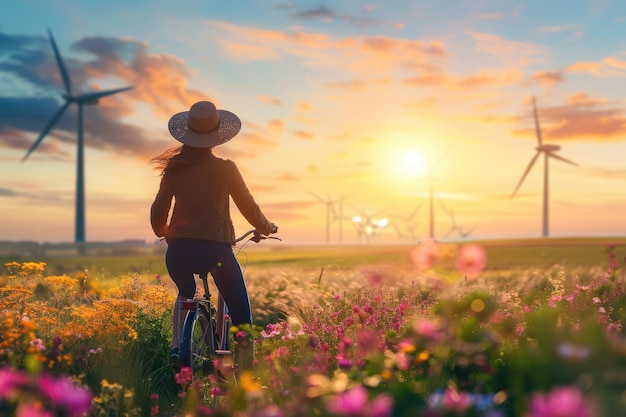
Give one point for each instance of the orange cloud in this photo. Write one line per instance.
(496, 45)
(580, 118)
(271, 100)
(548, 77)
(504, 77)
(609, 66)
(561, 28)
(303, 106)
(372, 53)
(301, 134)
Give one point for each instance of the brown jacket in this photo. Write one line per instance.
(201, 184)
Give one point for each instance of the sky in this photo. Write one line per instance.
(364, 104)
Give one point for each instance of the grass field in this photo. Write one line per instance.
(502, 255)
(337, 332)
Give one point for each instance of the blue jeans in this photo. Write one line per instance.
(183, 253)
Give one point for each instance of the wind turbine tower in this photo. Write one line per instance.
(548, 152)
(81, 100)
(330, 212)
(431, 203)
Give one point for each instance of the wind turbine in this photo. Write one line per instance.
(548, 152)
(409, 224)
(330, 211)
(81, 100)
(463, 232)
(368, 225)
(431, 192)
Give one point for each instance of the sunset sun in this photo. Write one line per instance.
(413, 164)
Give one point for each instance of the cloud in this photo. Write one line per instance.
(581, 117)
(490, 16)
(270, 100)
(328, 15)
(617, 174)
(36, 198)
(484, 78)
(6, 192)
(302, 134)
(306, 107)
(505, 49)
(548, 77)
(160, 81)
(357, 55)
(561, 28)
(607, 67)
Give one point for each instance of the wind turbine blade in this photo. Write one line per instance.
(64, 74)
(317, 197)
(553, 155)
(415, 212)
(537, 127)
(50, 125)
(441, 203)
(85, 98)
(528, 168)
(440, 158)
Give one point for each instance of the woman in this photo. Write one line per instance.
(200, 231)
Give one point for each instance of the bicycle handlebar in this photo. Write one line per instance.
(257, 236)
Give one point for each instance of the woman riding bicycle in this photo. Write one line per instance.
(200, 231)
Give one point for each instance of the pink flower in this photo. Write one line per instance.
(426, 328)
(75, 400)
(564, 401)
(373, 276)
(471, 260)
(382, 406)
(349, 403)
(270, 330)
(425, 254)
(458, 401)
(30, 409)
(10, 382)
(184, 376)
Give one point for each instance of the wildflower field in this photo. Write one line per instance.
(436, 329)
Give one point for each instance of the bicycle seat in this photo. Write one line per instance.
(202, 270)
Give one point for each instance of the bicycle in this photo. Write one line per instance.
(205, 340)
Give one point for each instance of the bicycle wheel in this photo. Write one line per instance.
(210, 368)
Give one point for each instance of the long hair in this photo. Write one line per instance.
(161, 162)
(181, 155)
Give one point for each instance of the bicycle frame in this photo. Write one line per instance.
(218, 344)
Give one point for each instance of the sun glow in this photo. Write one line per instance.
(413, 164)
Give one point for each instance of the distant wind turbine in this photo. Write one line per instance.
(431, 192)
(463, 232)
(548, 152)
(330, 211)
(81, 100)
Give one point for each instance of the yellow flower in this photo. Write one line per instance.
(248, 383)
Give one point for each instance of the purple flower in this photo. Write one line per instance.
(564, 401)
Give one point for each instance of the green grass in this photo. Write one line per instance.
(502, 255)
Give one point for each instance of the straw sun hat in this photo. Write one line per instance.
(204, 126)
